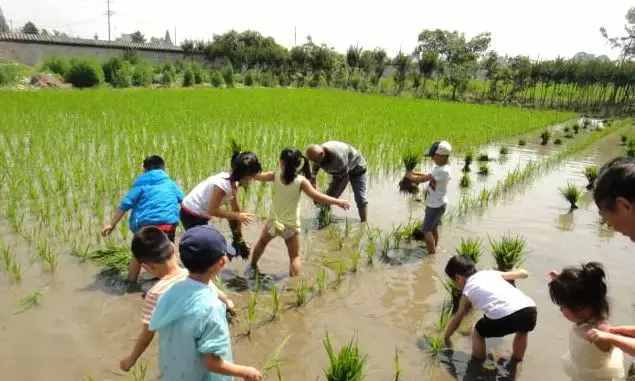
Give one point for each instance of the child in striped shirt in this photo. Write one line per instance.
(152, 248)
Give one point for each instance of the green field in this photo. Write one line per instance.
(70, 151)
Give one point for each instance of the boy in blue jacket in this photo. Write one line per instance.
(155, 201)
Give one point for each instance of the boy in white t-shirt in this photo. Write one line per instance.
(506, 309)
(436, 199)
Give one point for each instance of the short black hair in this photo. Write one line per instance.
(244, 164)
(153, 162)
(151, 245)
(580, 287)
(460, 265)
(615, 179)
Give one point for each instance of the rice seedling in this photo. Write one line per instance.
(324, 217)
(591, 174)
(509, 251)
(321, 280)
(274, 361)
(371, 251)
(630, 148)
(576, 129)
(32, 300)
(347, 364)
(544, 137)
(504, 150)
(623, 140)
(453, 292)
(435, 346)
(469, 158)
(566, 130)
(410, 161)
(483, 169)
(355, 257)
(340, 270)
(483, 157)
(347, 227)
(569, 136)
(140, 371)
(447, 309)
(336, 236)
(572, 194)
(470, 248)
(252, 304)
(275, 302)
(301, 293)
(397, 366)
(465, 181)
(557, 142)
(113, 259)
(522, 142)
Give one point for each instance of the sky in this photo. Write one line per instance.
(536, 28)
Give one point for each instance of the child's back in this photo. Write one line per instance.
(191, 321)
(497, 298)
(154, 199)
(286, 201)
(586, 362)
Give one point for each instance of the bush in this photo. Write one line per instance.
(84, 73)
(188, 78)
(216, 79)
(267, 79)
(56, 65)
(122, 75)
(9, 73)
(167, 78)
(142, 75)
(109, 67)
(283, 79)
(199, 76)
(249, 78)
(228, 75)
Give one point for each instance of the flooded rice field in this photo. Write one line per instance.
(86, 323)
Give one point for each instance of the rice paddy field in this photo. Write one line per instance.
(68, 156)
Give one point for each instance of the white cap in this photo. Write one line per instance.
(444, 148)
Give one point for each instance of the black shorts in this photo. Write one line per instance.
(521, 321)
(190, 220)
(432, 218)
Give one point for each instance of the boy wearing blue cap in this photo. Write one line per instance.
(155, 200)
(194, 338)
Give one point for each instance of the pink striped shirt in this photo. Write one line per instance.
(153, 295)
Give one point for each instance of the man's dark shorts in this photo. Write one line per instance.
(432, 218)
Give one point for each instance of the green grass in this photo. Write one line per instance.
(470, 248)
(572, 194)
(347, 364)
(30, 301)
(509, 251)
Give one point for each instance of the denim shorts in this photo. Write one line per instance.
(432, 218)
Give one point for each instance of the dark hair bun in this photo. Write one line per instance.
(593, 271)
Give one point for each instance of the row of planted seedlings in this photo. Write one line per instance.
(508, 252)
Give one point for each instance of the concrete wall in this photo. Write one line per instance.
(33, 53)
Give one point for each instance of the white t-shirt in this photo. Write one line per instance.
(198, 199)
(497, 298)
(438, 187)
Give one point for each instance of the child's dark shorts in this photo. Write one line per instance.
(189, 219)
(432, 218)
(521, 321)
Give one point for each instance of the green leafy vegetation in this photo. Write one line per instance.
(347, 364)
(572, 194)
(509, 251)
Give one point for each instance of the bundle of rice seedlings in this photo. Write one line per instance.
(522, 142)
(568, 136)
(483, 157)
(572, 194)
(470, 248)
(346, 365)
(591, 174)
(410, 161)
(483, 170)
(624, 139)
(557, 142)
(469, 158)
(508, 252)
(630, 148)
(465, 181)
(545, 136)
(504, 150)
(113, 259)
(576, 129)
(435, 345)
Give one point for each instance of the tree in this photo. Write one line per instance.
(167, 39)
(379, 64)
(30, 28)
(138, 38)
(625, 43)
(402, 64)
(4, 27)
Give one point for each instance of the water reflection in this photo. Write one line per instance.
(566, 222)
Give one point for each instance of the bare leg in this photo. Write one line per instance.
(478, 346)
(134, 268)
(430, 242)
(435, 234)
(293, 247)
(519, 346)
(260, 246)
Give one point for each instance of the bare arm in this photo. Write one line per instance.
(216, 364)
(321, 198)
(453, 325)
(215, 209)
(107, 229)
(513, 275)
(315, 168)
(418, 177)
(598, 337)
(624, 330)
(142, 343)
(264, 176)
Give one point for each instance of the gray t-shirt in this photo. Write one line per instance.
(341, 158)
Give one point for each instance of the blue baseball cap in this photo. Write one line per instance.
(204, 240)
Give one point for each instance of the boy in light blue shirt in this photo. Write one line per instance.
(194, 338)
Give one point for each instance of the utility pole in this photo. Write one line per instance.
(108, 14)
(175, 43)
(295, 36)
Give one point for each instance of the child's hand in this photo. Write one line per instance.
(344, 204)
(524, 274)
(126, 364)
(230, 307)
(246, 218)
(595, 335)
(106, 230)
(251, 374)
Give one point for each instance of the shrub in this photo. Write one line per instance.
(109, 67)
(228, 75)
(122, 75)
(188, 78)
(215, 78)
(199, 76)
(56, 65)
(249, 78)
(142, 75)
(9, 73)
(167, 78)
(283, 79)
(84, 73)
(267, 79)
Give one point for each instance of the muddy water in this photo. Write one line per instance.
(84, 325)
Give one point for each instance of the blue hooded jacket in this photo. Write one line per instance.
(154, 199)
